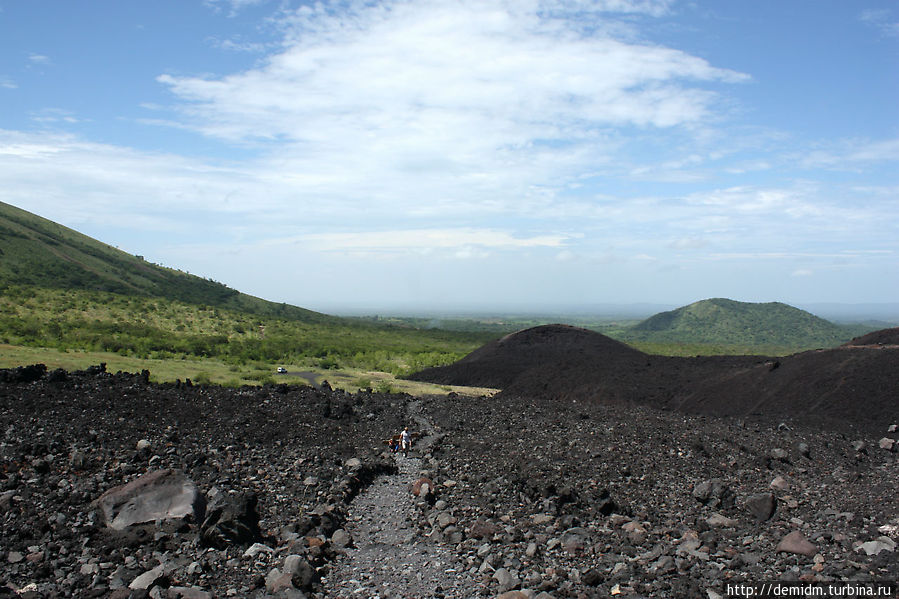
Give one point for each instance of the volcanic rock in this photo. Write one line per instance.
(159, 495)
(795, 542)
(761, 506)
(231, 521)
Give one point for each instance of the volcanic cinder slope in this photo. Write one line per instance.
(855, 384)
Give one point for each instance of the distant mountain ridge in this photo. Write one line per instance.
(36, 251)
(727, 321)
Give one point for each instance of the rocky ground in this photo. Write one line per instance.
(291, 494)
(597, 500)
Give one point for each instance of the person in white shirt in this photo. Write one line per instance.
(406, 441)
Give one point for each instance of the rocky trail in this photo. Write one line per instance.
(389, 557)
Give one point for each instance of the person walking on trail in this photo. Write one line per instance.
(406, 441)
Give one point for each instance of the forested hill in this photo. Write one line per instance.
(39, 252)
(727, 321)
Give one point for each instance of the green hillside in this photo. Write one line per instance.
(36, 251)
(63, 290)
(728, 322)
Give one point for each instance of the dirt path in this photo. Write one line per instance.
(390, 558)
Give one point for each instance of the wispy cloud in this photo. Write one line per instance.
(851, 153)
(39, 59)
(427, 240)
(234, 6)
(882, 19)
(50, 116)
(7, 83)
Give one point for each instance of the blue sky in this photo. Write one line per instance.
(468, 154)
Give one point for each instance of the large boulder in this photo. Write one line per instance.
(159, 495)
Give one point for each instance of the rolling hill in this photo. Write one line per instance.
(64, 290)
(729, 322)
(36, 251)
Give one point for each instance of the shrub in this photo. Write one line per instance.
(384, 387)
(202, 378)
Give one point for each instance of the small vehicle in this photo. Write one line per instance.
(281, 370)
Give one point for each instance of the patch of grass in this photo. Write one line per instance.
(218, 372)
(363, 383)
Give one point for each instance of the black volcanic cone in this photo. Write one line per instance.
(500, 362)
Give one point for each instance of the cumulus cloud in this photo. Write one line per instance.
(434, 104)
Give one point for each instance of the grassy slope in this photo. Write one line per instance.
(39, 252)
(158, 328)
(61, 289)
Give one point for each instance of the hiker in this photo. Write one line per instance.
(406, 441)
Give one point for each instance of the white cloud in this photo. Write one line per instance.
(39, 59)
(462, 240)
(431, 106)
(6, 83)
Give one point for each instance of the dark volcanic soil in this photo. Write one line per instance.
(851, 385)
(554, 497)
(884, 337)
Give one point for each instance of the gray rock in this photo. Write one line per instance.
(779, 454)
(663, 565)
(444, 519)
(187, 593)
(159, 495)
(780, 484)
(575, 540)
(505, 580)
(302, 573)
(714, 493)
(257, 548)
(718, 520)
(341, 538)
(278, 581)
(148, 579)
(761, 506)
(796, 543)
(876, 546)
